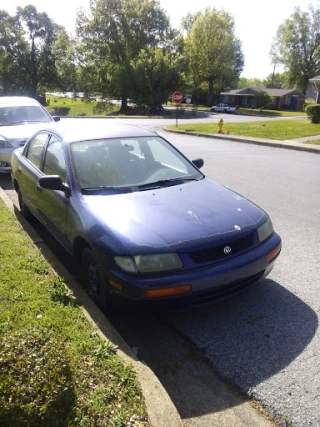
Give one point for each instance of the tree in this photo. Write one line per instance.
(282, 79)
(212, 51)
(27, 61)
(65, 52)
(114, 34)
(154, 78)
(245, 82)
(297, 46)
(261, 99)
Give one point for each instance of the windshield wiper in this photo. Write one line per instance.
(101, 189)
(166, 183)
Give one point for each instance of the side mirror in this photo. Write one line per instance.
(54, 182)
(56, 118)
(198, 163)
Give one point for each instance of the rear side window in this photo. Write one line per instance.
(35, 149)
(54, 162)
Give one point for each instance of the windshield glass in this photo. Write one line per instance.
(10, 115)
(145, 162)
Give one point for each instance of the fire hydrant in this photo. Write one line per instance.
(220, 124)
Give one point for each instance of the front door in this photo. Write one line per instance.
(54, 203)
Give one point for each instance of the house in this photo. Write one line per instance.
(316, 82)
(282, 99)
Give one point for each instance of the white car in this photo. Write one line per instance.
(223, 108)
(20, 118)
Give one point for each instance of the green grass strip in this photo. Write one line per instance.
(54, 368)
(274, 129)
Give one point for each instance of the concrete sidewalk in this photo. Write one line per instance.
(292, 144)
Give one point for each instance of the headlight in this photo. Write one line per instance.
(149, 263)
(265, 230)
(5, 144)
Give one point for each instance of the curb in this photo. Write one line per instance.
(270, 143)
(161, 411)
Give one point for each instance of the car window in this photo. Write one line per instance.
(54, 161)
(166, 155)
(11, 115)
(128, 162)
(35, 149)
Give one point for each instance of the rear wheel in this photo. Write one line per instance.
(23, 207)
(92, 279)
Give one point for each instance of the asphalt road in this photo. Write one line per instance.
(265, 341)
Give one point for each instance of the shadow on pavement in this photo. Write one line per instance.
(253, 336)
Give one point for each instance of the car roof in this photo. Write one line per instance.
(21, 101)
(72, 130)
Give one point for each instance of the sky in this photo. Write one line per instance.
(256, 21)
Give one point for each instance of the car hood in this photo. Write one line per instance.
(20, 132)
(178, 218)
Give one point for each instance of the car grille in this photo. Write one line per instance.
(217, 252)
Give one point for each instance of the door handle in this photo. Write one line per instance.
(39, 188)
(19, 169)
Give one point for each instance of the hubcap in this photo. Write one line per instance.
(93, 280)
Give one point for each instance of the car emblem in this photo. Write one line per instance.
(227, 250)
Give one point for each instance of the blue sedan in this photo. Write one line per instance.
(143, 221)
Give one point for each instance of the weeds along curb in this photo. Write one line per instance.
(160, 409)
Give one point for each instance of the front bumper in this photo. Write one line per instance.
(210, 283)
(5, 159)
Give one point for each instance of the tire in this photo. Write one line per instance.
(92, 280)
(23, 207)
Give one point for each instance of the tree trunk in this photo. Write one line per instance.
(210, 94)
(124, 104)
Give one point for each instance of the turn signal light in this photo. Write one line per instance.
(274, 253)
(168, 292)
(116, 285)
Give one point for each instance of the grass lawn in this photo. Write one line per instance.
(78, 107)
(277, 129)
(271, 113)
(54, 369)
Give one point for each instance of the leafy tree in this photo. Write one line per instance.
(114, 34)
(212, 51)
(245, 82)
(65, 51)
(261, 99)
(154, 78)
(27, 61)
(282, 79)
(297, 46)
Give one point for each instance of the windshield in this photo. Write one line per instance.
(131, 164)
(11, 115)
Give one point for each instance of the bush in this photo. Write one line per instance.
(313, 113)
(36, 385)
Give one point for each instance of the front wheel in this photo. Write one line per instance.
(92, 279)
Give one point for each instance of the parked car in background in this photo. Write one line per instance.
(142, 220)
(19, 119)
(223, 108)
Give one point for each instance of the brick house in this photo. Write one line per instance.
(283, 99)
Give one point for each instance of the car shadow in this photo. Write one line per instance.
(253, 336)
(244, 341)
